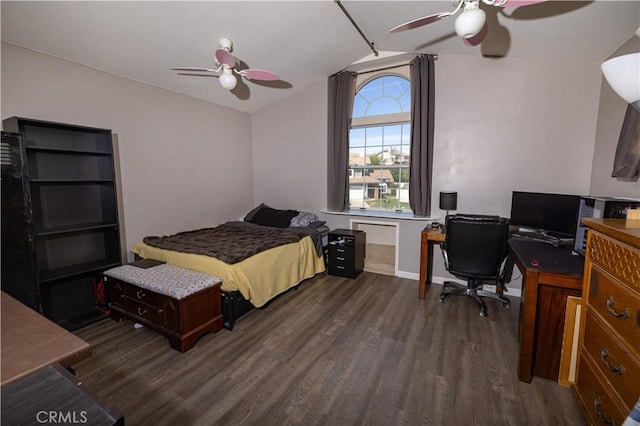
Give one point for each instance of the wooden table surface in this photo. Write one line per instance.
(30, 342)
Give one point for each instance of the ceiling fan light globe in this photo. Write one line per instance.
(228, 81)
(622, 73)
(470, 22)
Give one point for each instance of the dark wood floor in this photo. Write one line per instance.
(333, 352)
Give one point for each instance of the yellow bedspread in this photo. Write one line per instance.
(259, 278)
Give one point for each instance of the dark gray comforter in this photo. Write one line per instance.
(232, 242)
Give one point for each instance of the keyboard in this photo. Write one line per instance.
(531, 236)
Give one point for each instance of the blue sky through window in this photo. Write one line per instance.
(383, 95)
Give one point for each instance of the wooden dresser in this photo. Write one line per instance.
(608, 375)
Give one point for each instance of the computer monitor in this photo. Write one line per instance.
(554, 214)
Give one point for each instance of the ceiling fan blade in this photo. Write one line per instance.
(518, 3)
(193, 69)
(256, 74)
(225, 58)
(198, 75)
(419, 22)
(478, 38)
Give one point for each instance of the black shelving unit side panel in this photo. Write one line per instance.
(19, 276)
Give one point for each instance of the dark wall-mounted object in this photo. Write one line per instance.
(73, 215)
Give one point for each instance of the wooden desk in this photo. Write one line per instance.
(53, 395)
(31, 342)
(428, 238)
(545, 289)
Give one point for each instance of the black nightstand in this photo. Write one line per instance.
(346, 252)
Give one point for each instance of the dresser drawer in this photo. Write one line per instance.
(148, 312)
(620, 259)
(143, 295)
(618, 306)
(596, 398)
(613, 360)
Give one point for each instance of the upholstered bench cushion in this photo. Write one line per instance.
(164, 279)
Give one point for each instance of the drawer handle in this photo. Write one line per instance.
(140, 294)
(339, 267)
(141, 311)
(604, 419)
(340, 250)
(340, 258)
(624, 314)
(604, 353)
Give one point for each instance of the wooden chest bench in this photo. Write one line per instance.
(178, 303)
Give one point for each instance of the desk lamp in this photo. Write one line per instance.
(448, 201)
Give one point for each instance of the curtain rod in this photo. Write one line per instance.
(390, 67)
(353, 22)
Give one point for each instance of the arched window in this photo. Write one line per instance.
(379, 143)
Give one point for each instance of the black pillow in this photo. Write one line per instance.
(252, 213)
(267, 216)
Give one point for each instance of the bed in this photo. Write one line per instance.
(257, 258)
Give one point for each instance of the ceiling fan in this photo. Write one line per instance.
(471, 25)
(226, 67)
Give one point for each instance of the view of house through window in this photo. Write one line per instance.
(379, 145)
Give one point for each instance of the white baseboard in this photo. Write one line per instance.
(515, 292)
(409, 275)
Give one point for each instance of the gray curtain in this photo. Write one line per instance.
(422, 121)
(626, 164)
(342, 90)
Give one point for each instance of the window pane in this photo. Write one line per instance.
(356, 137)
(382, 95)
(379, 153)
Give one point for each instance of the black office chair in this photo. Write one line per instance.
(475, 249)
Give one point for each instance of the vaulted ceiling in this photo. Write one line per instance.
(302, 41)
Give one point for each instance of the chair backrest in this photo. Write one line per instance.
(475, 246)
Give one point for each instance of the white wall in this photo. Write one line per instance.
(185, 163)
(611, 111)
(290, 151)
(501, 125)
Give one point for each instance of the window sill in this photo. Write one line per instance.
(381, 214)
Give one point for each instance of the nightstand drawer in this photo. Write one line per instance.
(340, 253)
(342, 270)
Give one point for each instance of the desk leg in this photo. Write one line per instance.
(528, 308)
(426, 266)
